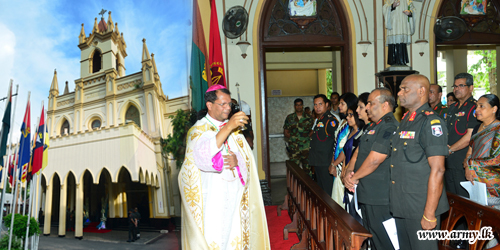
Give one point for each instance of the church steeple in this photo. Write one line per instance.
(111, 26)
(82, 37)
(145, 51)
(54, 87)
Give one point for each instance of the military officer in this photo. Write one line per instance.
(371, 169)
(322, 142)
(435, 94)
(460, 122)
(297, 129)
(417, 194)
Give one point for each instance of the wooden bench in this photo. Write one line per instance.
(476, 215)
(318, 221)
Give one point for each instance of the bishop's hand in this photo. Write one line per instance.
(230, 161)
(237, 120)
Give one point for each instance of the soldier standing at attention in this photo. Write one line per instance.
(435, 93)
(322, 142)
(298, 131)
(370, 171)
(417, 194)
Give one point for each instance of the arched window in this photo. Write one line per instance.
(96, 61)
(96, 124)
(65, 128)
(133, 115)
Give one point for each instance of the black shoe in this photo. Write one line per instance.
(129, 240)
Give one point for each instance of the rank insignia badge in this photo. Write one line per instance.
(461, 113)
(437, 131)
(435, 121)
(371, 132)
(407, 135)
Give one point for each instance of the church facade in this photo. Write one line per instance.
(105, 154)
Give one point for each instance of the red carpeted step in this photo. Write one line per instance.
(275, 225)
(92, 228)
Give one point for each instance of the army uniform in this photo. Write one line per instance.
(298, 143)
(441, 110)
(420, 135)
(321, 151)
(458, 121)
(373, 189)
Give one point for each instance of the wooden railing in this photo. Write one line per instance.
(476, 215)
(319, 222)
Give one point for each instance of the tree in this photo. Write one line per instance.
(20, 224)
(484, 71)
(175, 143)
(329, 83)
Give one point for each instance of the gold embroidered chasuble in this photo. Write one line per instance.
(207, 221)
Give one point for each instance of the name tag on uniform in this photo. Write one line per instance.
(461, 113)
(371, 132)
(320, 124)
(407, 135)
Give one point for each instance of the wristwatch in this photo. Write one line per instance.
(450, 151)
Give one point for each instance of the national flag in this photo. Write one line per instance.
(200, 79)
(12, 164)
(25, 143)
(5, 126)
(45, 148)
(38, 144)
(216, 61)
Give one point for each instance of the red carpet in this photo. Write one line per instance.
(275, 225)
(92, 228)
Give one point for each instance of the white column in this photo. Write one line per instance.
(62, 209)
(48, 210)
(79, 210)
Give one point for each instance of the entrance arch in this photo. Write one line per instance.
(330, 28)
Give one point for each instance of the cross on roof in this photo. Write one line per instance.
(103, 11)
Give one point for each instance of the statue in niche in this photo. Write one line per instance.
(400, 26)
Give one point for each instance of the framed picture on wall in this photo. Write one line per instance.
(473, 7)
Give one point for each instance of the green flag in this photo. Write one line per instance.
(5, 126)
(199, 77)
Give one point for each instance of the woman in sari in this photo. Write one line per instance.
(347, 101)
(483, 157)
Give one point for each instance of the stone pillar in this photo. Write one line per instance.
(48, 210)
(124, 201)
(63, 210)
(450, 70)
(111, 200)
(150, 198)
(79, 211)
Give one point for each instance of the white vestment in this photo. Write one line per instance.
(400, 27)
(221, 209)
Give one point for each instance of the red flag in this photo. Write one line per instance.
(12, 164)
(215, 52)
(36, 164)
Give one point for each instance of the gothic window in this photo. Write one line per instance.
(96, 124)
(96, 61)
(133, 115)
(65, 128)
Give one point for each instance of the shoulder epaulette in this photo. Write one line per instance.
(405, 115)
(429, 112)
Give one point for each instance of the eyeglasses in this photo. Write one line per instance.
(350, 114)
(225, 105)
(459, 86)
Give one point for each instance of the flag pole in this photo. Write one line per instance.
(5, 180)
(33, 177)
(15, 190)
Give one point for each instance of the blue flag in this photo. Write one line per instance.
(25, 144)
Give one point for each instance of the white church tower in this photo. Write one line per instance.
(105, 153)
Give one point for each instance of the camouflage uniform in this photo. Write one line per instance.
(298, 143)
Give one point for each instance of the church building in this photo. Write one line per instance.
(105, 154)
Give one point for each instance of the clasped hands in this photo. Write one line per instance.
(349, 182)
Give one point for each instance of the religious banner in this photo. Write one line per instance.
(216, 60)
